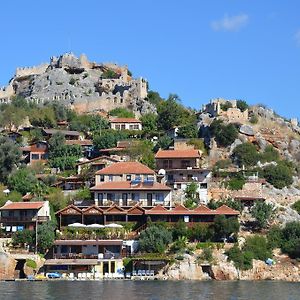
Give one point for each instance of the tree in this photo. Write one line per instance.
(188, 131)
(291, 239)
(269, 154)
(149, 123)
(57, 199)
(296, 206)
(242, 105)
(83, 194)
(262, 212)
(22, 180)
(258, 245)
(224, 227)
(10, 157)
(142, 151)
(245, 155)
(154, 98)
(163, 142)
(22, 238)
(63, 156)
(225, 135)
(242, 259)
(46, 236)
(191, 190)
(108, 139)
(121, 113)
(171, 113)
(279, 176)
(155, 239)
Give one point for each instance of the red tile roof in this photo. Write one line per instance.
(130, 167)
(202, 209)
(126, 185)
(180, 210)
(22, 205)
(125, 120)
(157, 210)
(178, 154)
(225, 210)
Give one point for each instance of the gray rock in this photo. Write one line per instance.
(247, 129)
(234, 144)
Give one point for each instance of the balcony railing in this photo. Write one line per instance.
(87, 256)
(24, 219)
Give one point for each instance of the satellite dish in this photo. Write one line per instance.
(162, 172)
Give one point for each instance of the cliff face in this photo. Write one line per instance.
(7, 266)
(86, 86)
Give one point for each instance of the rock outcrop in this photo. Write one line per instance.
(7, 266)
(83, 85)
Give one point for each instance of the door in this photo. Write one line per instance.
(125, 199)
(149, 199)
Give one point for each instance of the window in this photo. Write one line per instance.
(159, 197)
(111, 196)
(35, 156)
(101, 178)
(110, 178)
(131, 127)
(136, 127)
(170, 177)
(128, 177)
(44, 156)
(117, 127)
(123, 126)
(100, 196)
(135, 196)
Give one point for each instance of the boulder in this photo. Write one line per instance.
(247, 130)
(7, 266)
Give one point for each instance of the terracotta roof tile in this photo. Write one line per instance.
(180, 209)
(191, 153)
(157, 210)
(126, 185)
(22, 205)
(202, 209)
(130, 167)
(225, 210)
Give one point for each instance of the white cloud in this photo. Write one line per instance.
(297, 37)
(233, 23)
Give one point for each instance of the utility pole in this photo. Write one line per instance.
(36, 234)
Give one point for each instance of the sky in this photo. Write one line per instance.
(198, 49)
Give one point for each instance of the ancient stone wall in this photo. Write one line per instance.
(35, 70)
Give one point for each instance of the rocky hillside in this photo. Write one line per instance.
(76, 82)
(264, 129)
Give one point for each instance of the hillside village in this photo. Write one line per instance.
(102, 178)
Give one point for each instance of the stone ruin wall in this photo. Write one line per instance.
(28, 71)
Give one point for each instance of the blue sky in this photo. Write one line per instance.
(236, 49)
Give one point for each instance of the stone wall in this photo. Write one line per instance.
(35, 70)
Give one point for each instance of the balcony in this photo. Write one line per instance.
(29, 219)
(87, 256)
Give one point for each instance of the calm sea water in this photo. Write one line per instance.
(150, 290)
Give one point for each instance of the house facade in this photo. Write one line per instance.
(37, 152)
(129, 183)
(125, 124)
(17, 216)
(179, 168)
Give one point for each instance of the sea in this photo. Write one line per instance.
(149, 290)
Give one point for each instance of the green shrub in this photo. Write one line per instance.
(155, 239)
(242, 260)
(72, 81)
(254, 119)
(225, 106)
(262, 212)
(235, 183)
(245, 155)
(279, 176)
(296, 206)
(207, 255)
(31, 263)
(242, 105)
(258, 245)
(224, 135)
